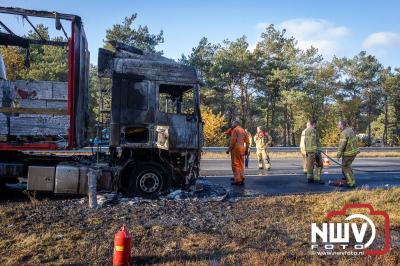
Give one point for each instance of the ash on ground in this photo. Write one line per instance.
(203, 190)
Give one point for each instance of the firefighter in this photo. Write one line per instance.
(247, 156)
(228, 132)
(303, 150)
(311, 145)
(262, 140)
(348, 151)
(238, 142)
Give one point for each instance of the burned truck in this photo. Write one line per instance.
(156, 127)
(155, 121)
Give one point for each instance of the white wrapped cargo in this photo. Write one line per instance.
(42, 90)
(3, 74)
(34, 95)
(43, 104)
(7, 93)
(39, 125)
(34, 103)
(27, 89)
(3, 125)
(57, 104)
(60, 90)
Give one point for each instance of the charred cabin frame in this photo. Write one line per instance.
(155, 115)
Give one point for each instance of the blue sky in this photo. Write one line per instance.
(336, 27)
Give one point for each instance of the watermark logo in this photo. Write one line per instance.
(356, 234)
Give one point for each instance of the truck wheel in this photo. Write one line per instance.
(148, 180)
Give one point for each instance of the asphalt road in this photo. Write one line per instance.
(286, 176)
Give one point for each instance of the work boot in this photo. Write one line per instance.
(268, 166)
(351, 183)
(310, 179)
(317, 177)
(344, 176)
(260, 164)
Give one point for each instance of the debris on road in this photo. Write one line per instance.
(204, 191)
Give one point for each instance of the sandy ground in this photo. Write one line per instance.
(182, 229)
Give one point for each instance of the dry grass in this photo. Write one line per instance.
(365, 154)
(379, 154)
(257, 231)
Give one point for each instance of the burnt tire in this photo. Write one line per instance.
(148, 180)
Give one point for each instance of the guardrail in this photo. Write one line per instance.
(296, 149)
(104, 149)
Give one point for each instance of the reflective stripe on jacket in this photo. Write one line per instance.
(348, 143)
(262, 140)
(250, 138)
(238, 138)
(310, 140)
(302, 144)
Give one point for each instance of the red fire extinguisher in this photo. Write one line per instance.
(122, 248)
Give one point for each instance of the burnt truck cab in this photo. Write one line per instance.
(156, 127)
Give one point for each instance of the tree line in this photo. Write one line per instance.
(279, 86)
(276, 85)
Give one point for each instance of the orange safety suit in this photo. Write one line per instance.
(237, 149)
(228, 132)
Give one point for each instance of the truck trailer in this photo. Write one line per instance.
(155, 126)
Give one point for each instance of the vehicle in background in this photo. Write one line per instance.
(377, 143)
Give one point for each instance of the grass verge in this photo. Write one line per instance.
(256, 231)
